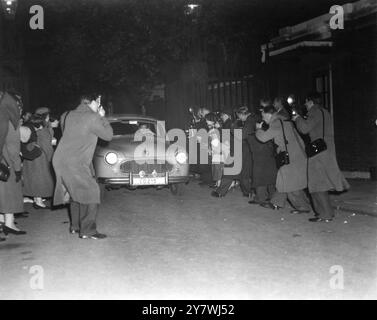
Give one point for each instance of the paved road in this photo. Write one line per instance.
(191, 247)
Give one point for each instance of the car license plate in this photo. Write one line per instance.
(145, 181)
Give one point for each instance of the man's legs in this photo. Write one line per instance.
(88, 216)
(261, 194)
(75, 216)
(322, 205)
(226, 182)
(246, 172)
(279, 199)
(299, 200)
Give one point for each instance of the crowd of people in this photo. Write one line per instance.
(35, 167)
(288, 155)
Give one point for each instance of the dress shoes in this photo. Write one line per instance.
(36, 206)
(270, 205)
(317, 219)
(96, 236)
(8, 230)
(216, 194)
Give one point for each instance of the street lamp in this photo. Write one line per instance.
(192, 9)
(9, 8)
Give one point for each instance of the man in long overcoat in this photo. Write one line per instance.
(72, 162)
(323, 171)
(11, 200)
(291, 178)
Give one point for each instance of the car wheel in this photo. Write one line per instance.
(177, 189)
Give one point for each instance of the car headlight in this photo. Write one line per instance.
(111, 158)
(181, 157)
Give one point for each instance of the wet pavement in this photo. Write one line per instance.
(161, 246)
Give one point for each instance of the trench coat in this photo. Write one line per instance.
(323, 171)
(38, 175)
(264, 165)
(73, 157)
(11, 199)
(291, 177)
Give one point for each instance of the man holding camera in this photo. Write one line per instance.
(323, 171)
(75, 177)
(290, 159)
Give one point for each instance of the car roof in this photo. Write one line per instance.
(129, 116)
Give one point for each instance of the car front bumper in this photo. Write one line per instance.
(126, 180)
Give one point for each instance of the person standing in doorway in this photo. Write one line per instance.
(72, 161)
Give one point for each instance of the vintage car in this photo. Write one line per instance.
(126, 162)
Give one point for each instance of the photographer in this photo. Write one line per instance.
(323, 171)
(291, 177)
(281, 111)
(72, 161)
(264, 167)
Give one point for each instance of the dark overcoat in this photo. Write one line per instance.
(290, 177)
(247, 159)
(264, 165)
(38, 175)
(11, 200)
(73, 157)
(323, 171)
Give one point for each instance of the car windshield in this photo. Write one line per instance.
(127, 127)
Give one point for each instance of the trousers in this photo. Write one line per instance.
(322, 205)
(297, 199)
(83, 217)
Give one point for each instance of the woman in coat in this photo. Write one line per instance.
(264, 167)
(291, 178)
(11, 200)
(323, 171)
(38, 176)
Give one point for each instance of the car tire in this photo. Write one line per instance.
(177, 189)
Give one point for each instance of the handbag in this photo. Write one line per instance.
(282, 158)
(4, 171)
(318, 145)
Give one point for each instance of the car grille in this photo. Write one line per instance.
(134, 167)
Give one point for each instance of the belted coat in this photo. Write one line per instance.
(73, 157)
(290, 177)
(323, 170)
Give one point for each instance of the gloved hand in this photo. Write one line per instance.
(18, 176)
